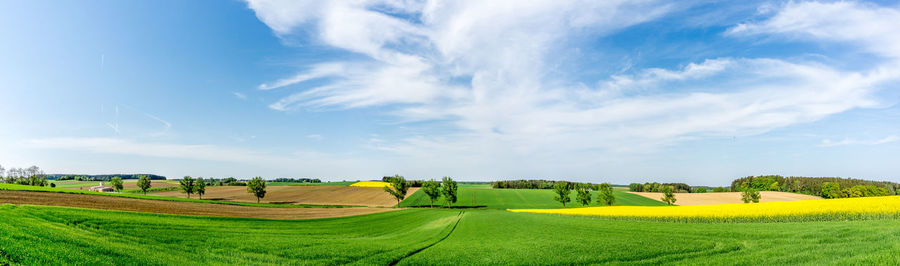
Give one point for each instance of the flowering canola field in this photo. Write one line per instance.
(370, 184)
(846, 208)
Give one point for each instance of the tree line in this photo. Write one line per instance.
(660, 187)
(190, 186)
(583, 193)
(826, 187)
(297, 180)
(538, 184)
(447, 188)
(31, 176)
(63, 177)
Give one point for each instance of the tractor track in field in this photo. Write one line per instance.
(414, 252)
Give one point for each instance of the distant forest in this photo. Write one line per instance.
(62, 177)
(827, 187)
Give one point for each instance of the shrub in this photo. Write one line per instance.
(750, 195)
(700, 190)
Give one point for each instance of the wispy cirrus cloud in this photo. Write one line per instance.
(876, 29)
(850, 141)
(488, 69)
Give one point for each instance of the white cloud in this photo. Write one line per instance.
(850, 141)
(487, 67)
(316, 137)
(239, 95)
(876, 28)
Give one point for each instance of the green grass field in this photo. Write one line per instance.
(484, 195)
(56, 235)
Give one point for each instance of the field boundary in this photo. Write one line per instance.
(414, 252)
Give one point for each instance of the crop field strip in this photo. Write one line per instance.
(806, 210)
(11, 187)
(310, 195)
(175, 207)
(42, 235)
(688, 199)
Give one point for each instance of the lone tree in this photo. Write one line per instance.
(584, 194)
(562, 192)
(200, 187)
(605, 195)
(668, 196)
(257, 187)
(449, 189)
(144, 183)
(750, 195)
(432, 189)
(397, 188)
(116, 183)
(187, 185)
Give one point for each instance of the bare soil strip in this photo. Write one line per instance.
(174, 207)
(687, 199)
(315, 195)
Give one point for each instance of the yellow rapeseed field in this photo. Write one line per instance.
(370, 184)
(847, 207)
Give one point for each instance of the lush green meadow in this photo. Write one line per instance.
(40, 235)
(57, 235)
(484, 195)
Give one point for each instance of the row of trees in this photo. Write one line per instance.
(659, 187)
(583, 193)
(31, 176)
(62, 177)
(433, 189)
(536, 184)
(297, 180)
(189, 185)
(826, 187)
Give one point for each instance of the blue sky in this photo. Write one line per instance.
(603, 91)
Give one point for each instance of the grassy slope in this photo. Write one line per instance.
(499, 237)
(483, 195)
(151, 197)
(40, 235)
(56, 235)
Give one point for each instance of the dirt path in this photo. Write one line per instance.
(316, 195)
(174, 207)
(687, 199)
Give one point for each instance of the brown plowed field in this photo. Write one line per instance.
(686, 199)
(318, 195)
(175, 207)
